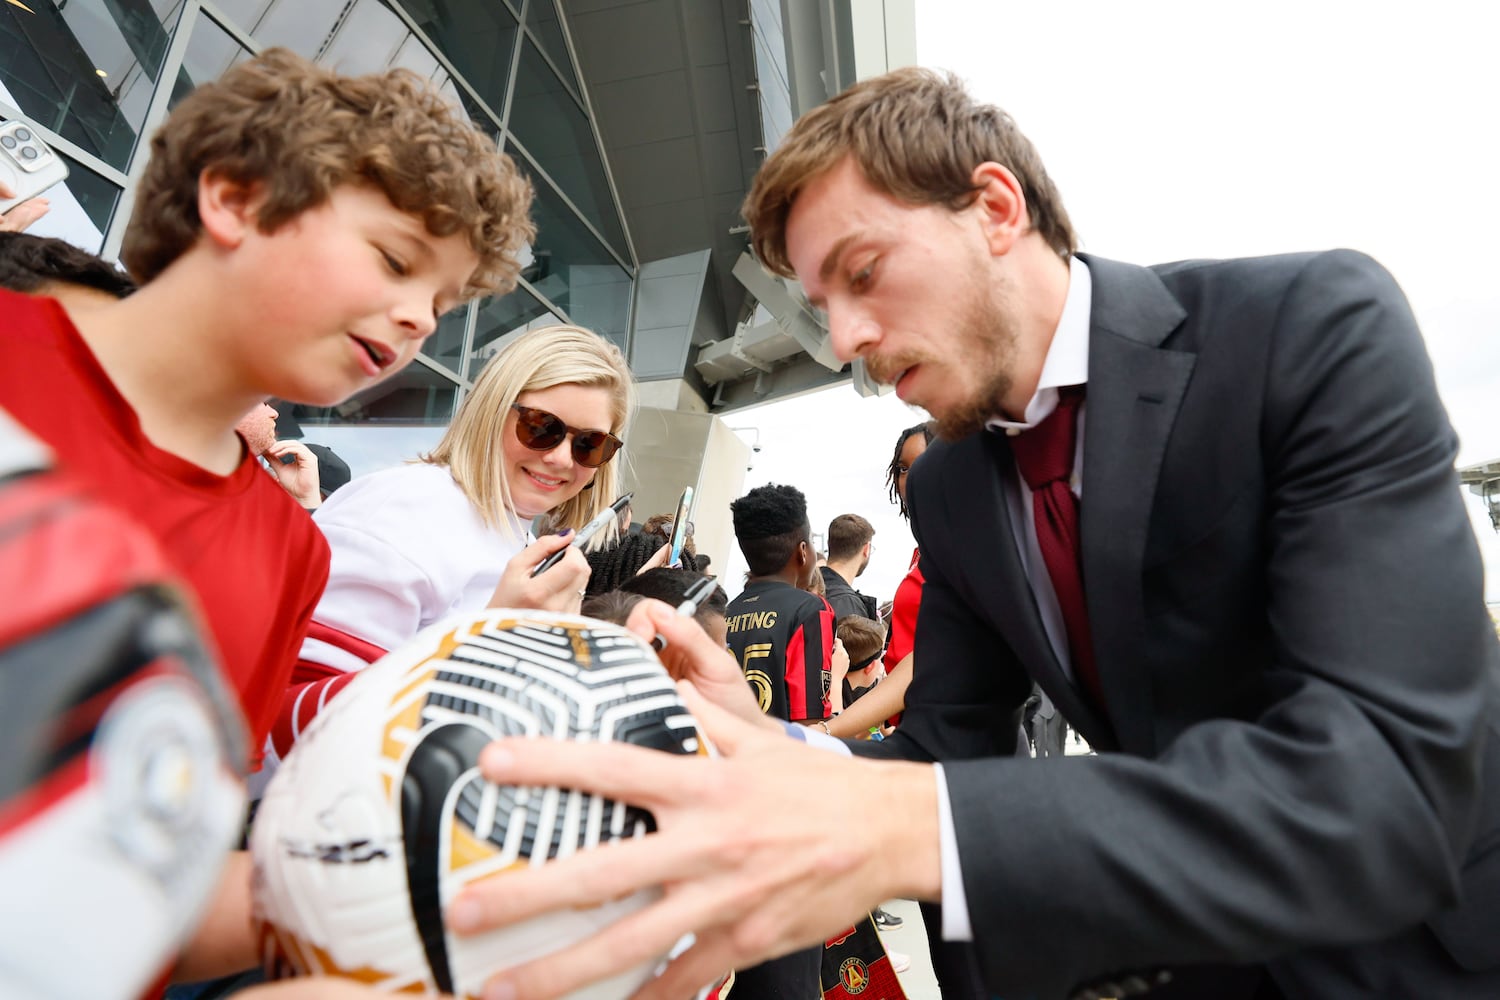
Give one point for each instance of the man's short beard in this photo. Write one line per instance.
(989, 331)
(970, 416)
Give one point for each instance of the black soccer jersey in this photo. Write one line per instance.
(783, 639)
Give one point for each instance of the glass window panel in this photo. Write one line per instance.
(569, 266)
(501, 320)
(210, 52)
(446, 345)
(415, 395)
(306, 27)
(541, 18)
(366, 449)
(81, 207)
(246, 14)
(84, 69)
(415, 56)
(549, 123)
(478, 37)
(368, 40)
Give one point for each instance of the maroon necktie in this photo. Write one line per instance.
(1044, 454)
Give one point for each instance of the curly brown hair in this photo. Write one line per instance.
(301, 130)
(916, 135)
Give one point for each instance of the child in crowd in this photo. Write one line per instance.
(296, 233)
(864, 641)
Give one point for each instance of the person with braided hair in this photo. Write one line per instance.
(612, 565)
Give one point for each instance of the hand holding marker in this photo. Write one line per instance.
(691, 602)
(610, 513)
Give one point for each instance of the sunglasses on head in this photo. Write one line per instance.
(543, 431)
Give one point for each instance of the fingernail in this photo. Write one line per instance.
(464, 915)
(493, 758)
(565, 533)
(500, 989)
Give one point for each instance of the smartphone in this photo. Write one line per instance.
(27, 163)
(680, 528)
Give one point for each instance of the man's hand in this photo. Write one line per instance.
(692, 655)
(558, 589)
(299, 477)
(753, 847)
(22, 215)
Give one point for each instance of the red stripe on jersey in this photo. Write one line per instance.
(826, 630)
(302, 705)
(367, 651)
(314, 683)
(796, 677)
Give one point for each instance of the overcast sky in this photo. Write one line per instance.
(1182, 129)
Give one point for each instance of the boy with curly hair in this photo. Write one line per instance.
(297, 234)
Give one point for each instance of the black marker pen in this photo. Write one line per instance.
(694, 599)
(610, 513)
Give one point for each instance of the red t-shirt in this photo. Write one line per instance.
(904, 614)
(254, 558)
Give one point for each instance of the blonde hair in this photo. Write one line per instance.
(301, 130)
(540, 359)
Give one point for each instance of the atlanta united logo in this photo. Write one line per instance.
(854, 976)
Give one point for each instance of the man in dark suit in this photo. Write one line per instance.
(1245, 575)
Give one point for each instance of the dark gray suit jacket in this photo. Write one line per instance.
(1301, 680)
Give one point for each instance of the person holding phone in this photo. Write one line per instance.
(670, 526)
(450, 531)
(28, 167)
(23, 214)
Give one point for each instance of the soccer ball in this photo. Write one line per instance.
(379, 816)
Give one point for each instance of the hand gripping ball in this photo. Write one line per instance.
(379, 816)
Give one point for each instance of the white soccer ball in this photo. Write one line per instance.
(379, 816)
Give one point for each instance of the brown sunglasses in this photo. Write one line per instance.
(543, 431)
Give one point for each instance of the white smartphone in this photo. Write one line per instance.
(27, 164)
(680, 528)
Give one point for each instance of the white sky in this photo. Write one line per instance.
(1184, 128)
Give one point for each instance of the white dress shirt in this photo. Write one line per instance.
(1067, 363)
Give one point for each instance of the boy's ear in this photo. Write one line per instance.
(227, 208)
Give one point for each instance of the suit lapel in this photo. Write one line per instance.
(991, 566)
(1134, 392)
(1020, 623)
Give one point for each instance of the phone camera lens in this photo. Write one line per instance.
(23, 134)
(8, 142)
(28, 152)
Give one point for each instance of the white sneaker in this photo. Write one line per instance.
(900, 961)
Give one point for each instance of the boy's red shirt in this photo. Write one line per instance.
(253, 557)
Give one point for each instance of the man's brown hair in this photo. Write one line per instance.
(301, 131)
(847, 534)
(916, 135)
(863, 638)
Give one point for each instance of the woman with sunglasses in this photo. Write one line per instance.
(450, 531)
